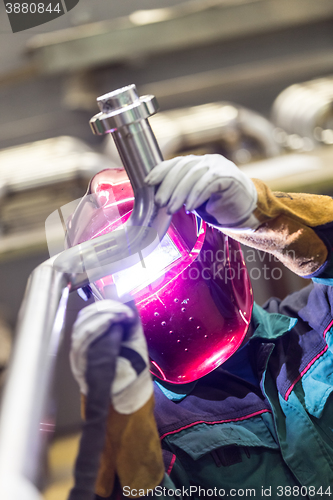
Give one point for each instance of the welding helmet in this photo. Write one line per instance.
(193, 291)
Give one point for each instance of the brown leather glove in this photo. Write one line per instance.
(132, 450)
(287, 228)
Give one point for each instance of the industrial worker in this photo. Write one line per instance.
(248, 415)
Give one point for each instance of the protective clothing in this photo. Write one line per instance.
(273, 434)
(229, 196)
(294, 227)
(193, 292)
(294, 389)
(110, 334)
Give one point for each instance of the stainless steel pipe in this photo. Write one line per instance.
(42, 313)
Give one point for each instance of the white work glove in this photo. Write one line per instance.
(132, 385)
(193, 180)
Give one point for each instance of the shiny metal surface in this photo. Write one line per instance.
(106, 122)
(148, 223)
(25, 400)
(43, 310)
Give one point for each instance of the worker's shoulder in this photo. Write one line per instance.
(312, 306)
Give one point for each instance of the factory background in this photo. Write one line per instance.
(250, 79)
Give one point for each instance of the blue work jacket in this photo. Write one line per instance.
(268, 433)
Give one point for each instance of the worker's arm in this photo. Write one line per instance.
(132, 454)
(296, 228)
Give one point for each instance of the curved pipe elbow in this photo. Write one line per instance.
(119, 249)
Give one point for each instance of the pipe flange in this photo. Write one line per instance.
(122, 107)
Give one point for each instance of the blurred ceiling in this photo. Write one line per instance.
(185, 52)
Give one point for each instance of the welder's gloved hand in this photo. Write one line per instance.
(132, 451)
(132, 386)
(211, 185)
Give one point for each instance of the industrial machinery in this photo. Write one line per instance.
(24, 406)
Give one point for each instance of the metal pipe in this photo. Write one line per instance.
(124, 115)
(43, 310)
(29, 375)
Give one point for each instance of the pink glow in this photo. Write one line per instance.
(197, 316)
